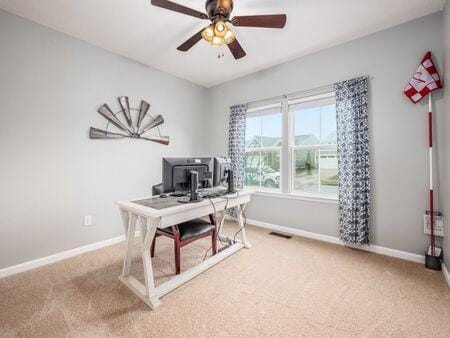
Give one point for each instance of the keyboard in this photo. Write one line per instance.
(212, 192)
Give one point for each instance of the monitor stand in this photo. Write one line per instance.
(193, 198)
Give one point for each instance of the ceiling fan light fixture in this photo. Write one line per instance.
(208, 34)
(220, 29)
(229, 37)
(218, 32)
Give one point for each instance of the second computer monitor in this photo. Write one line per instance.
(177, 177)
(221, 167)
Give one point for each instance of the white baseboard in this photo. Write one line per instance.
(446, 274)
(58, 257)
(296, 232)
(331, 239)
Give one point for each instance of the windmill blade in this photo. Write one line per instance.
(97, 134)
(145, 106)
(172, 6)
(157, 121)
(236, 49)
(261, 21)
(188, 44)
(125, 104)
(158, 139)
(107, 113)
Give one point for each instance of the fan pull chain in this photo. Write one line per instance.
(220, 54)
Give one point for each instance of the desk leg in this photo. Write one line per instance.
(125, 220)
(241, 225)
(149, 229)
(146, 292)
(129, 222)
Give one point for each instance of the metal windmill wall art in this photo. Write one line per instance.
(130, 122)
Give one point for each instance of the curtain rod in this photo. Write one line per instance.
(286, 96)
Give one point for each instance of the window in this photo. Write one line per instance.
(263, 144)
(314, 148)
(291, 146)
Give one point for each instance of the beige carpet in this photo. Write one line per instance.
(282, 288)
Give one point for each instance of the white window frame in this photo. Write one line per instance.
(287, 163)
(258, 112)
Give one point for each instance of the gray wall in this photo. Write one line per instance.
(398, 128)
(51, 173)
(446, 155)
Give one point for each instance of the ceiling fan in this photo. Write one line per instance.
(218, 32)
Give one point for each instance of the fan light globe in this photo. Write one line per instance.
(208, 34)
(220, 29)
(229, 37)
(216, 41)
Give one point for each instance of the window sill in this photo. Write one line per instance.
(297, 196)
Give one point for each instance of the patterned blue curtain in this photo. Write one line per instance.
(354, 165)
(236, 145)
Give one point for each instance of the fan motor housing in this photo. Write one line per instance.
(219, 8)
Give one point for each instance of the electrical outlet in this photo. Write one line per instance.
(88, 221)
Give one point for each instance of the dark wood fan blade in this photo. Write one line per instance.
(179, 8)
(237, 50)
(191, 42)
(263, 21)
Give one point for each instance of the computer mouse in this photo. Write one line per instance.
(163, 196)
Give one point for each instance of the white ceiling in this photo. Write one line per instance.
(150, 35)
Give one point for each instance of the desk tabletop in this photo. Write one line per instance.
(156, 206)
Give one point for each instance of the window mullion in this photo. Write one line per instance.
(285, 153)
(260, 152)
(319, 152)
(260, 169)
(319, 160)
(320, 126)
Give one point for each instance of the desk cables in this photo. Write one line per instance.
(219, 223)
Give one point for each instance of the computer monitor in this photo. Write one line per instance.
(221, 167)
(176, 173)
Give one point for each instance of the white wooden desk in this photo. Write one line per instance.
(149, 219)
